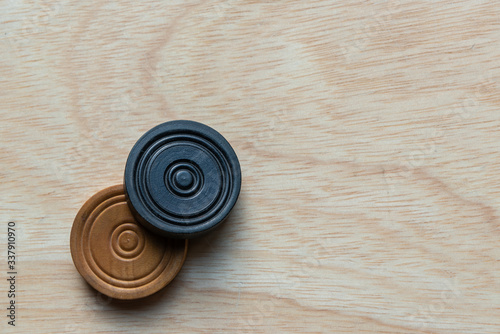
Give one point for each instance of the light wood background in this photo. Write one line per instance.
(368, 134)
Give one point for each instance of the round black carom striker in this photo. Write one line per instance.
(182, 178)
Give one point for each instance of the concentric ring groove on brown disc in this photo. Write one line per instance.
(116, 255)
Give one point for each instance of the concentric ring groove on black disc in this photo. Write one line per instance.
(182, 179)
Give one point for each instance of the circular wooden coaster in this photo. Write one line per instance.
(116, 255)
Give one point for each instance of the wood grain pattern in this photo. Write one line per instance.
(367, 134)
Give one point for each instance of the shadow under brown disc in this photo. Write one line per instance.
(116, 255)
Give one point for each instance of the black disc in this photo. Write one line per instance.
(182, 179)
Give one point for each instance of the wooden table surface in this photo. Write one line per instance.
(368, 135)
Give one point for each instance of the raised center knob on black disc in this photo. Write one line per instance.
(183, 179)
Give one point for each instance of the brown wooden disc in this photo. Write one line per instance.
(116, 255)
